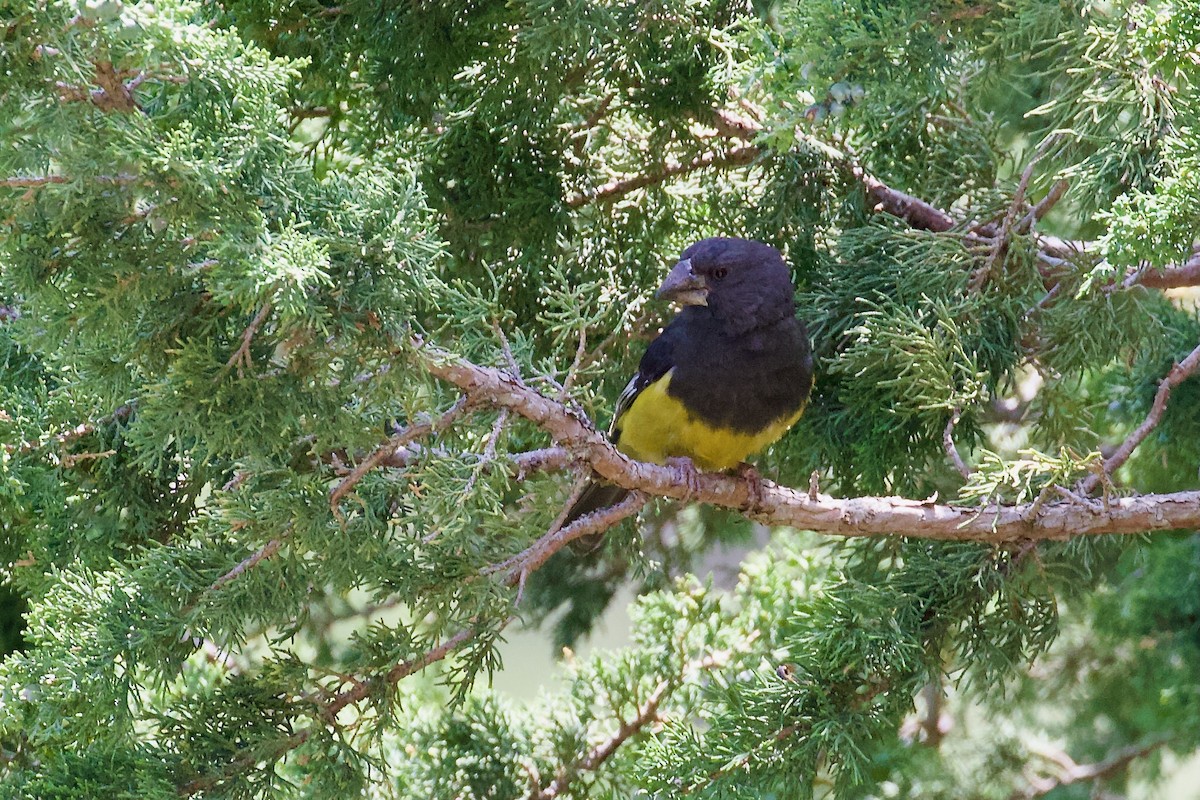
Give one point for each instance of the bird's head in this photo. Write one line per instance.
(744, 283)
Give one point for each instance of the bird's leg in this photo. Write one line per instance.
(754, 487)
(687, 474)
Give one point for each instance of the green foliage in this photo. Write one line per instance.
(227, 225)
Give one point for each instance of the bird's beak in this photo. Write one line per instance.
(684, 286)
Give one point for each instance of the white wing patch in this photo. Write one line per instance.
(632, 389)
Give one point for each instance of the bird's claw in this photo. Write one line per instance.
(754, 486)
(687, 475)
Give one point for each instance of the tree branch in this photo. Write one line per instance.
(399, 672)
(114, 93)
(241, 357)
(120, 414)
(35, 181)
(646, 713)
(1168, 277)
(266, 551)
(32, 181)
(1043, 206)
(1000, 239)
(329, 711)
(777, 505)
(540, 551)
(547, 459)
(738, 156)
(388, 450)
(925, 216)
(1076, 773)
(951, 449)
(1178, 374)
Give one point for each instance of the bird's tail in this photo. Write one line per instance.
(595, 496)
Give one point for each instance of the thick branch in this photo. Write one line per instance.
(1168, 277)
(114, 93)
(913, 210)
(777, 505)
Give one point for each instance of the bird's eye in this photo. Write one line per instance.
(719, 273)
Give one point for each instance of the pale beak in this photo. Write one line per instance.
(684, 286)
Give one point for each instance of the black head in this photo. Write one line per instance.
(744, 283)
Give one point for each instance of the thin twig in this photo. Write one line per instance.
(540, 551)
(400, 671)
(489, 451)
(1177, 375)
(948, 443)
(215, 655)
(593, 119)
(266, 551)
(316, 112)
(417, 430)
(596, 757)
(71, 459)
(1070, 772)
(329, 711)
(72, 435)
(521, 465)
(1043, 206)
(633, 327)
(737, 156)
(241, 357)
(1000, 241)
(576, 364)
(506, 349)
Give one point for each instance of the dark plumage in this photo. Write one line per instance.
(726, 378)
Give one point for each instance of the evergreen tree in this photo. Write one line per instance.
(307, 310)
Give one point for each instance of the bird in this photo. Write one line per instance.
(726, 378)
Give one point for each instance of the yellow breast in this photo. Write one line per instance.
(657, 427)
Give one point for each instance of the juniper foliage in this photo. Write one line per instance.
(228, 224)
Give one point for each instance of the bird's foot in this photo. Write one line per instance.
(754, 486)
(687, 475)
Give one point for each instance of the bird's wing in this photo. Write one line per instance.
(657, 361)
